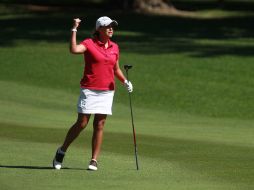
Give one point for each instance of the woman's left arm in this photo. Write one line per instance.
(118, 72)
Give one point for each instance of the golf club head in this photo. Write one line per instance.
(127, 67)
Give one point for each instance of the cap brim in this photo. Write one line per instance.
(114, 23)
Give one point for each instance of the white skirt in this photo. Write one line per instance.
(95, 101)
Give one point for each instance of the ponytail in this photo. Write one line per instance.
(96, 34)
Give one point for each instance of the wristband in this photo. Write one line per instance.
(74, 30)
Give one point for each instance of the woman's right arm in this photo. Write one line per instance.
(74, 48)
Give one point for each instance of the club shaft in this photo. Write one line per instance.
(133, 128)
(134, 133)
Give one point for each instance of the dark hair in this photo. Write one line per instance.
(96, 34)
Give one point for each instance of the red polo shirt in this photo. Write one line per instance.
(99, 65)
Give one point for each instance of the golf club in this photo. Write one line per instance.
(127, 67)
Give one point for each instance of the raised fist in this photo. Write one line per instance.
(76, 23)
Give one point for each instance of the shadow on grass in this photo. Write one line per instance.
(37, 167)
(27, 167)
(150, 34)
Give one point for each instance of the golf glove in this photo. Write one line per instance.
(128, 85)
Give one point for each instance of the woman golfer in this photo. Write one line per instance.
(101, 57)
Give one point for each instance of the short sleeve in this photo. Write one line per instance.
(85, 43)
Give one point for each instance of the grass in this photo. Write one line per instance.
(192, 100)
(178, 151)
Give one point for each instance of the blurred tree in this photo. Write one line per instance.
(146, 5)
(154, 6)
(151, 4)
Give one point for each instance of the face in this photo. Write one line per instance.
(106, 31)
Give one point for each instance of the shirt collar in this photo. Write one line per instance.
(101, 44)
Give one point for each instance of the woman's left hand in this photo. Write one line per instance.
(128, 85)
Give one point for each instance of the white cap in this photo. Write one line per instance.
(105, 21)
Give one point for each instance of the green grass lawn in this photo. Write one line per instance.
(193, 104)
